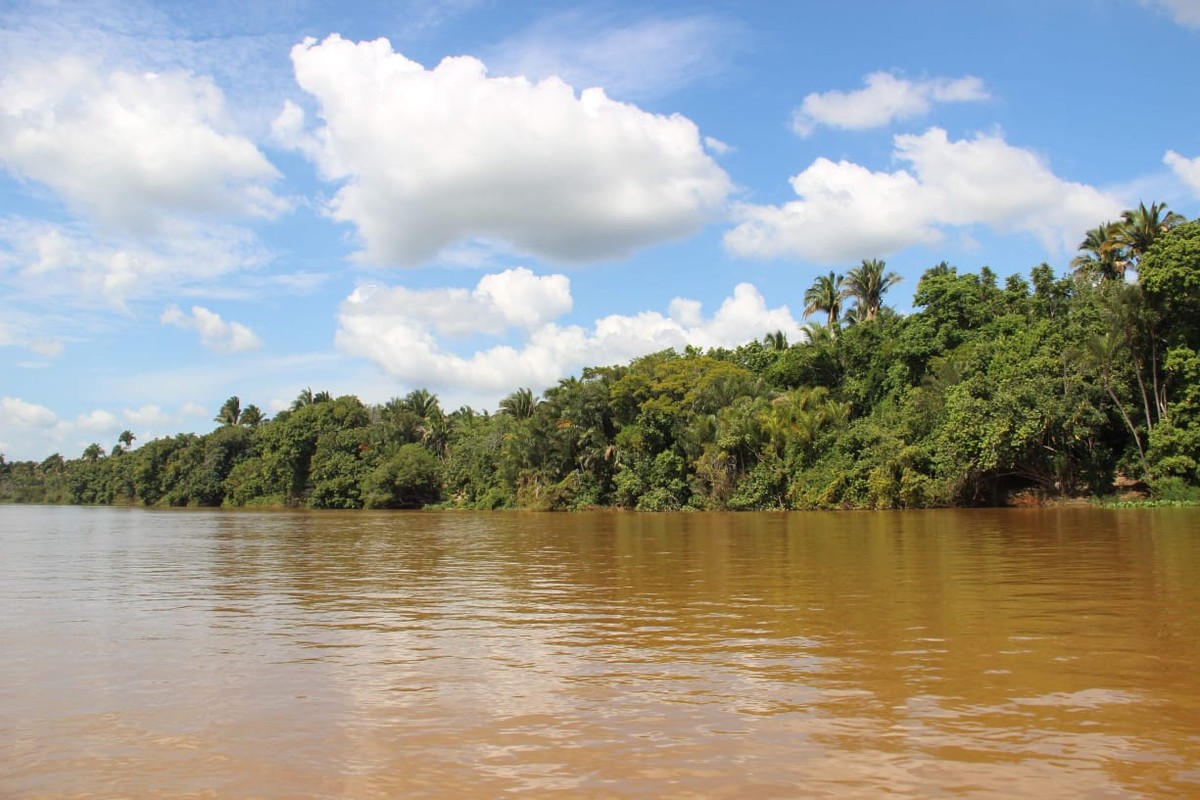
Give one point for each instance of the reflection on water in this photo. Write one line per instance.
(949, 653)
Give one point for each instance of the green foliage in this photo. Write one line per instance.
(409, 479)
(1050, 385)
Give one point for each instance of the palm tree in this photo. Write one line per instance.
(230, 412)
(421, 402)
(520, 404)
(1130, 238)
(825, 295)
(776, 341)
(126, 439)
(251, 417)
(867, 284)
(305, 398)
(1097, 256)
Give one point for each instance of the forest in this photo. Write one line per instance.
(990, 392)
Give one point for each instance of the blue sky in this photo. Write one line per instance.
(205, 200)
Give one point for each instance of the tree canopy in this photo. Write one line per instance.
(1038, 386)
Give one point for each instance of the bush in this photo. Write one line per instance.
(409, 479)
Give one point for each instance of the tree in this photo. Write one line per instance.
(410, 479)
(520, 404)
(1138, 229)
(421, 402)
(230, 413)
(776, 341)
(1097, 256)
(1170, 276)
(305, 398)
(126, 439)
(866, 284)
(825, 295)
(93, 452)
(251, 416)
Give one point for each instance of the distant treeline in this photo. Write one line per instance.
(1041, 386)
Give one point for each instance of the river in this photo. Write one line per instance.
(222, 654)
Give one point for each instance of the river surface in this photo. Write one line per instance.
(172, 654)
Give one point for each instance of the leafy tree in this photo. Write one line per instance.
(409, 479)
(776, 341)
(1098, 256)
(304, 398)
(251, 417)
(1136, 232)
(866, 284)
(825, 296)
(230, 413)
(520, 404)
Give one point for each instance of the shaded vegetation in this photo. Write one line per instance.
(1044, 386)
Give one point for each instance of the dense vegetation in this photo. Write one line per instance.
(1042, 386)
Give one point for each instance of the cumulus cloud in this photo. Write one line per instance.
(148, 416)
(97, 421)
(130, 149)
(215, 333)
(847, 211)
(393, 328)
(1184, 12)
(1188, 169)
(885, 98)
(17, 413)
(429, 159)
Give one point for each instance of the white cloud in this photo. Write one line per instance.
(393, 328)
(17, 413)
(27, 430)
(513, 298)
(1188, 169)
(847, 211)
(97, 421)
(717, 146)
(47, 348)
(70, 261)
(148, 416)
(193, 410)
(645, 58)
(215, 333)
(1184, 12)
(429, 159)
(885, 98)
(130, 149)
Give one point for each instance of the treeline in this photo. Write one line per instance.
(1044, 385)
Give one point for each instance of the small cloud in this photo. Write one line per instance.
(717, 146)
(193, 410)
(1183, 12)
(97, 422)
(17, 413)
(148, 416)
(1188, 169)
(215, 333)
(642, 59)
(47, 349)
(885, 98)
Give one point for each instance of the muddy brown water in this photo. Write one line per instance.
(198, 654)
